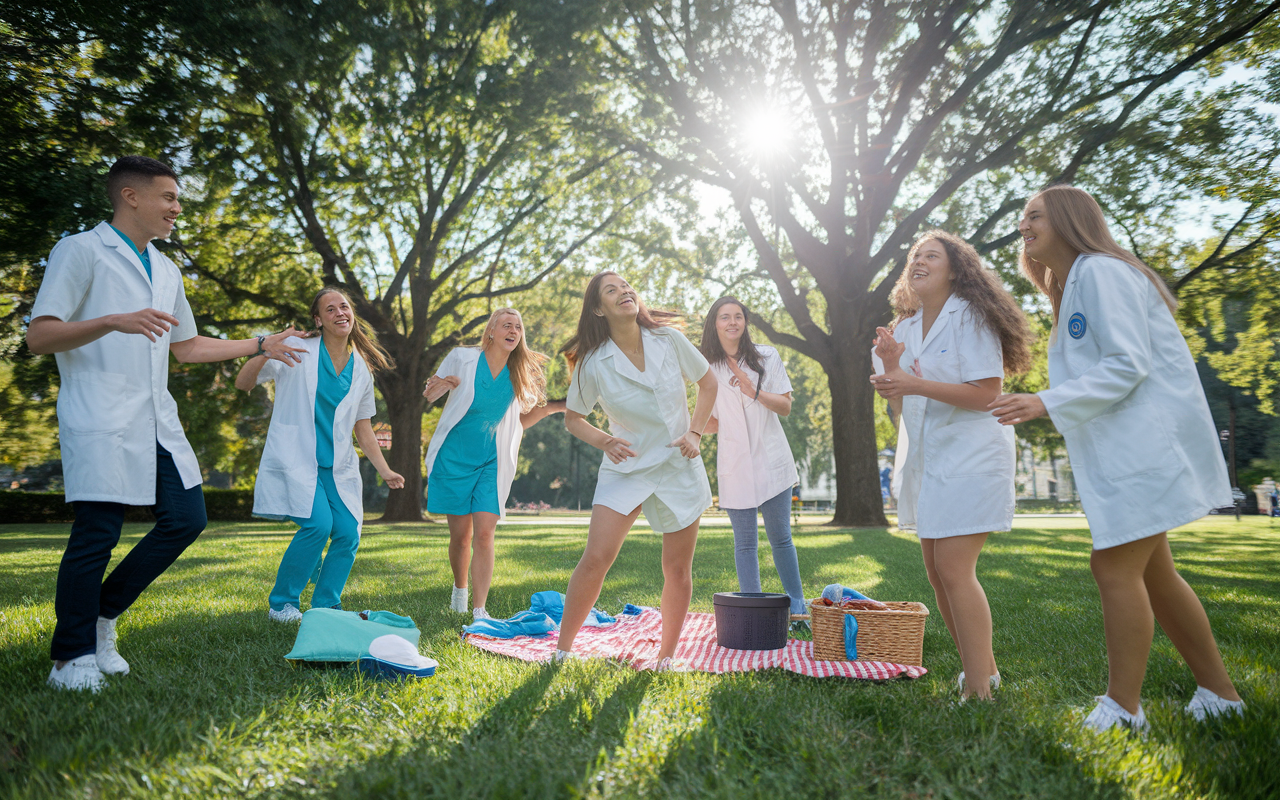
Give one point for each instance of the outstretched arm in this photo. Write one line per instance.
(46, 335)
(373, 452)
(536, 414)
(204, 349)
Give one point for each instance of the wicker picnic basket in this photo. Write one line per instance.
(895, 636)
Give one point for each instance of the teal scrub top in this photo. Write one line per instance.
(473, 441)
(330, 389)
(144, 255)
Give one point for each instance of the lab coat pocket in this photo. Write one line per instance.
(93, 402)
(968, 447)
(282, 448)
(95, 463)
(1129, 441)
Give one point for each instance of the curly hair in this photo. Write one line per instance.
(995, 307)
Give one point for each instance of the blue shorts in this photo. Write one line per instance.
(459, 491)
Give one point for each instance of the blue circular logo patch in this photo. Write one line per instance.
(1076, 326)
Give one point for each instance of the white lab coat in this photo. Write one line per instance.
(287, 474)
(1125, 396)
(953, 468)
(649, 409)
(114, 402)
(753, 460)
(462, 363)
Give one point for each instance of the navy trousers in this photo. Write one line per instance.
(82, 595)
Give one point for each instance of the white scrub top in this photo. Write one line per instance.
(461, 363)
(953, 470)
(649, 409)
(286, 485)
(1125, 395)
(753, 459)
(114, 403)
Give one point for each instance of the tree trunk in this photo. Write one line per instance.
(402, 391)
(853, 431)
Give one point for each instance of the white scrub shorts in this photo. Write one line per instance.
(671, 496)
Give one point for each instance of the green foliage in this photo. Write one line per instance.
(227, 505)
(211, 708)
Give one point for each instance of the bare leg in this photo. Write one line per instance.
(939, 591)
(1127, 617)
(486, 525)
(956, 560)
(677, 585)
(1183, 620)
(604, 540)
(459, 547)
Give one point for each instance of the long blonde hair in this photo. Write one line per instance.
(1077, 218)
(361, 338)
(523, 365)
(995, 307)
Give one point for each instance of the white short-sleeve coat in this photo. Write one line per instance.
(648, 409)
(114, 403)
(286, 484)
(753, 460)
(953, 468)
(1125, 395)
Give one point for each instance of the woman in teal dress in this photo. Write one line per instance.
(496, 391)
(318, 406)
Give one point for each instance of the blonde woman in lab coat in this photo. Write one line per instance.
(957, 332)
(309, 471)
(1123, 385)
(495, 391)
(627, 359)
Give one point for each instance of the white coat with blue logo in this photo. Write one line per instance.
(1125, 396)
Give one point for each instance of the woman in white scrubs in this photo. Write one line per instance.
(495, 392)
(754, 466)
(1125, 396)
(628, 361)
(309, 471)
(961, 332)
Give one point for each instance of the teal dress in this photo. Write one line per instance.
(464, 477)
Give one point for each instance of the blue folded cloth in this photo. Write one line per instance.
(526, 623)
(835, 593)
(552, 604)
(851, 637)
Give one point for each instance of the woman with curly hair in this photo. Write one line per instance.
(958, 331)
(495, 390)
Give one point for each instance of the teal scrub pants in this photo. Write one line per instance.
(330, 521)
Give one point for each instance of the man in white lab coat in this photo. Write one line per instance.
(112, 307)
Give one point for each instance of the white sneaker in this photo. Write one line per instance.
(478, 614)
(995, 682)
(458, 603)
(78, 673)
(1109, 714)
(562, 656)
(289, 613)
(1205, 704)
(109, 661)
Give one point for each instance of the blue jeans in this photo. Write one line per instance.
(82, 596)
(329, 519)
(777, 525)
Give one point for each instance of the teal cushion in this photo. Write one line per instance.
(326, 634)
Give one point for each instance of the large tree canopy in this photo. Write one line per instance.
(842, 130)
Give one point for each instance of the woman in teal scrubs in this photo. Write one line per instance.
(329, 397)
(496, 391)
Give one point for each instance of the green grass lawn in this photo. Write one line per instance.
(213, 709)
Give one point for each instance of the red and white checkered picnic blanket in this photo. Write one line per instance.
(635, 641)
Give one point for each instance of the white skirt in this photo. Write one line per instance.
(671, 495)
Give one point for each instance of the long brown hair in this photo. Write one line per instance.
(1076, 217)
(524, 365)
(995, 307)
(593, 329)
(714, 352)
(362, 337)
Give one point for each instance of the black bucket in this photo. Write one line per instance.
(752, 620)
